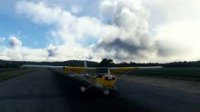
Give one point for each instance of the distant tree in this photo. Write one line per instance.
(106, 62)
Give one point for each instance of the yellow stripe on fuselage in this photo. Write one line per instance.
(106, 84)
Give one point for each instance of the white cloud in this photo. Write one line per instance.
(68, 29)
(121, 30)
(18, 52)
(14, 42)
(129, 38)
(176, 9)
(175, 28)
(51, 53)
(181, 38)
(25, 53)
(38, 12)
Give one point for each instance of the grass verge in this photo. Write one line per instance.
(172, 73)
(6, 75)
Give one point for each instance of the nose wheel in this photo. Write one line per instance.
(106, 92)
(83, 89)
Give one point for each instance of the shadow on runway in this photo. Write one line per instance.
(92, 100)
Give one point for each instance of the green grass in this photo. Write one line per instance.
(8, 73)
(174, 73)
(8, 69)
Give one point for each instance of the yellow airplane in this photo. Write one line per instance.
(103, 78)
(105, 81)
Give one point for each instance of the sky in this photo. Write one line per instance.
(123, 30)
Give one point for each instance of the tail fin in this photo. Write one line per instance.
(85, 64)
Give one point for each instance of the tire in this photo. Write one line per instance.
(106, 92)
(83, 89)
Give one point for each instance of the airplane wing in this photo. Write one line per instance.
(92, 70)
(40, 66)
(111, 70)
(125, 70)
(67, 69)
(78, 70)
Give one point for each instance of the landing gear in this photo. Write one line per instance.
(106, 92)
(83, 89)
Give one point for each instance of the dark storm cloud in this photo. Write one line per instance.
(164, 50)
(51, 52)
(128, 47)
(118, 45)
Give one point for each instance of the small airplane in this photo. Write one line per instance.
(103, 78)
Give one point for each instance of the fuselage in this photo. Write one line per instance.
(106, 81)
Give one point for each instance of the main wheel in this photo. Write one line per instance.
(83, 89)
(106, 92)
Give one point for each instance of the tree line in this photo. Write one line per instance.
(103, 63)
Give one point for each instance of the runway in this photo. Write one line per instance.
(49, 91)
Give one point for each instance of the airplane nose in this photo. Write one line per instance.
(110, 77)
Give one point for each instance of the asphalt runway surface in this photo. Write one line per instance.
(49, 91)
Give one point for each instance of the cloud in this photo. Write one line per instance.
(176, 9)
(124, 30)
(67, 27)
(39, 13)
(68, 30)
(51, 51)
(14, 42)
(129, 37)
(174, 26)
(179, 39)
(20, 53)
